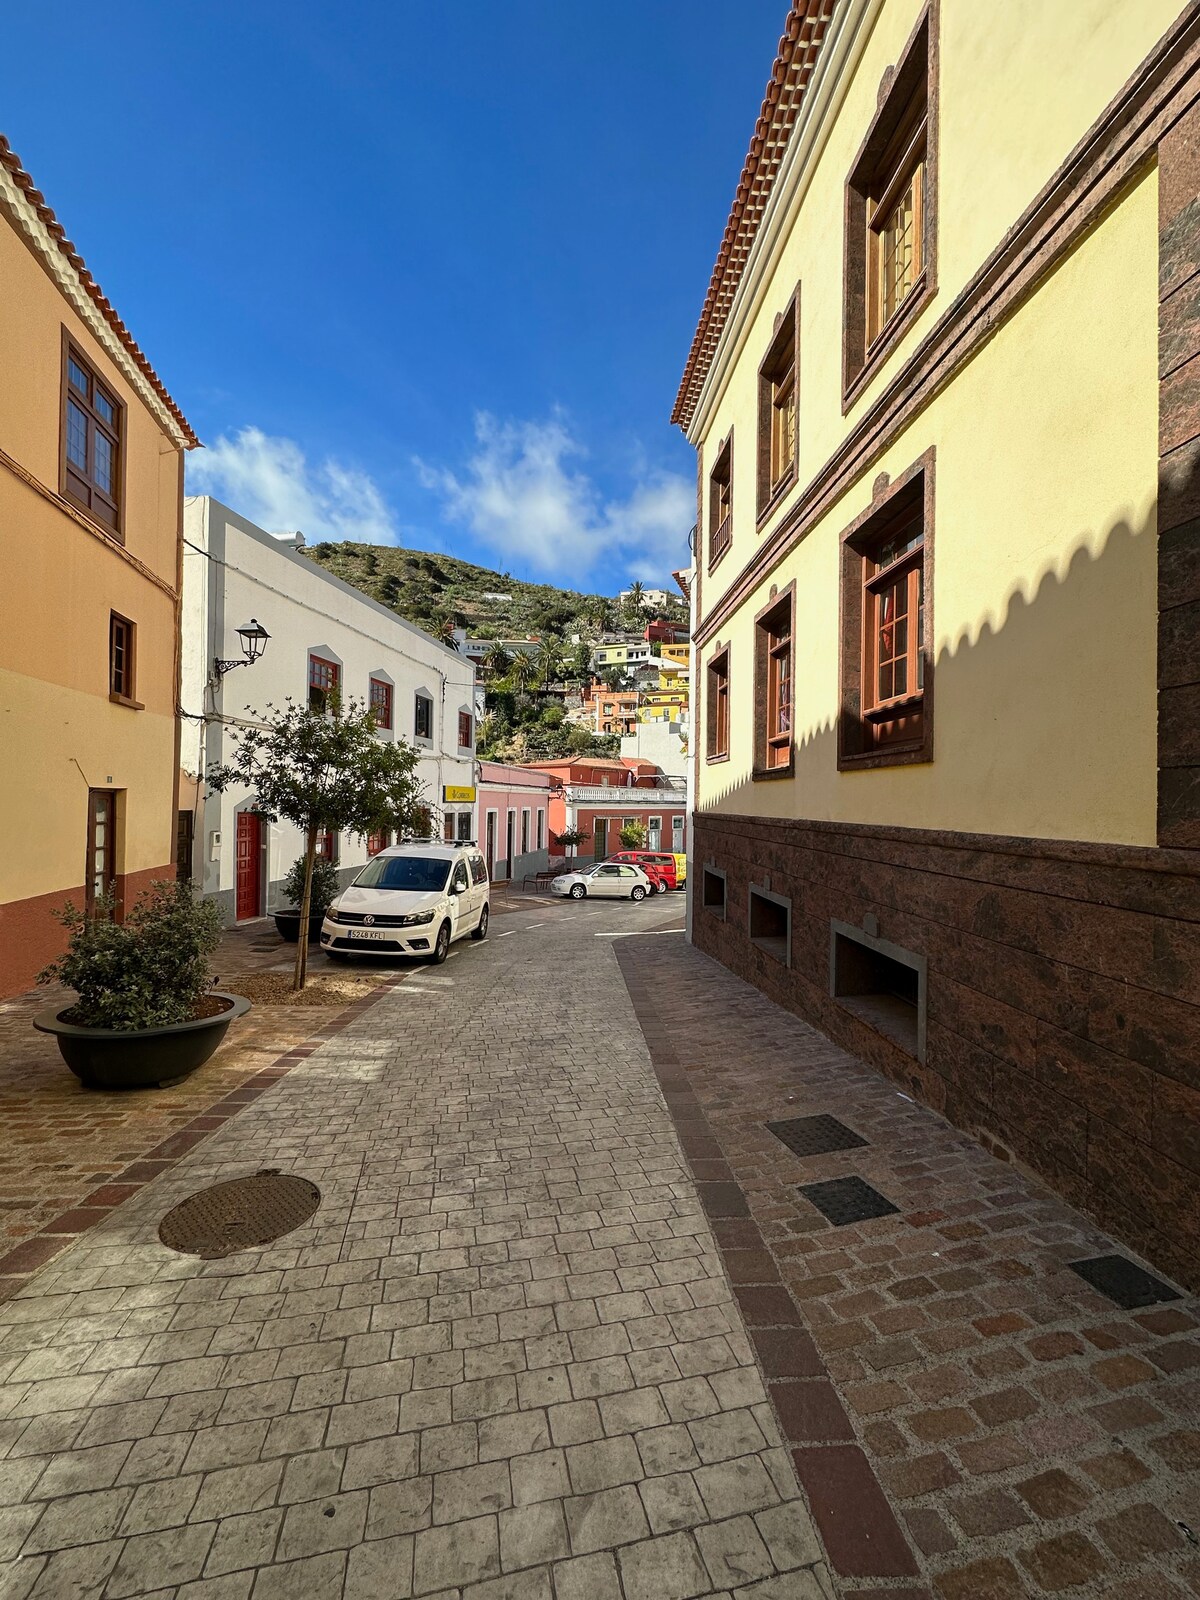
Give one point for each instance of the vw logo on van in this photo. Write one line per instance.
(368, 920)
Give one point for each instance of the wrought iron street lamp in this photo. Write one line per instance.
(253, 638)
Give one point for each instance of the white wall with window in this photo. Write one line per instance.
(326, 638)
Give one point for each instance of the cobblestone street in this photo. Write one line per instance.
(503, 1360)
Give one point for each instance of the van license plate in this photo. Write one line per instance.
(367, 933)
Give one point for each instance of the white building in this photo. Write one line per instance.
(323, 635)
(650, 597)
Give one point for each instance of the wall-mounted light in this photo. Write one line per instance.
(253, 638)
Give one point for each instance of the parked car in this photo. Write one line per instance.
(411, 900)
(617, 880)
(656, 864)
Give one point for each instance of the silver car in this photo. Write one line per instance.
(614, 879)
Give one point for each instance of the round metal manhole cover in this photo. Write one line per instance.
(239, 1215)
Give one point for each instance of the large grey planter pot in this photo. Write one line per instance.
(104, 1058)
(287, 924)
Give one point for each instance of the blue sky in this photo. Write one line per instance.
(416, 273)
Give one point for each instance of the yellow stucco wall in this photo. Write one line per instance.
(1046, 445)
(59, 732)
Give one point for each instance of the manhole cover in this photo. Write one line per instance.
(816, 1136)
(238, 1215)
(845, 1200)
(1123, 1281)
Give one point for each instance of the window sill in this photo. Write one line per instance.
(124, 700)
(717, 556)
(886, 341)
(106, 528)
(766, 774)
(715, 761)
(904, 756)
(775, 499)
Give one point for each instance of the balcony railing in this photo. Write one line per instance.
(623, 796)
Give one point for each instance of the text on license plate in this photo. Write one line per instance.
(367, 933)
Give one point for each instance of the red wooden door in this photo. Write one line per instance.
(249, 864)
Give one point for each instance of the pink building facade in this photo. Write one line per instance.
(513, 822)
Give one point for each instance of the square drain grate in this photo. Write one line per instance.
(845, 1200)
(1124, 1282)
(816, 1136)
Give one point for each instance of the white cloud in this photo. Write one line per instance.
(271, 482)
(522, 494)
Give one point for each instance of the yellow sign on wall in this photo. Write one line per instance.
(462, 793)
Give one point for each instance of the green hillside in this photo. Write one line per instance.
(427, 589)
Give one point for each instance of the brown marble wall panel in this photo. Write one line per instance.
(1063, 1001)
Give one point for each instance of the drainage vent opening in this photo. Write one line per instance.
(883, 990)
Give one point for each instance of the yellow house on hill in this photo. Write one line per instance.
(945, 399)
(91, 494)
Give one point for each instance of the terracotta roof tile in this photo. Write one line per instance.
(10, 160)
(803, 35)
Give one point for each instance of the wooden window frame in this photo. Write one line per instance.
(866, 738)
(778, 370)
(80, 487)
(541, 827)
(466, 719)
(325, 691)
(717, 706)
(903, 133)
(720, 503)
(770, 646)
(387, 700)
(107, 870)
(123, 693)
(377, 841)
(418, 697)
(329, 846)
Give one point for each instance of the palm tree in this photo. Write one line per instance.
(523, 669)
(443, 632)
(634, 600)
(600, 614)
(497, 660)
(553, 659)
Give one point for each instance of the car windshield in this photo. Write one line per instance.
(404, 872)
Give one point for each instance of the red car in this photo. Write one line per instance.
(658, 865)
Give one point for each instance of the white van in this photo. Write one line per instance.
(410, 900)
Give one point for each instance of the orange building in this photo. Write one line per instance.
(91, 489)
(599, 797)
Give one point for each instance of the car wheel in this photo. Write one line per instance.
(441, 948)
(480, 930)
(637, 892)
(577, 891)
(661, 886)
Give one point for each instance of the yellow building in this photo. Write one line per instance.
(91, 486)
(945, 396)
(680, 654)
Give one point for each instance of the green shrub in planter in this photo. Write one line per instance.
(146, 972)
(325, 885)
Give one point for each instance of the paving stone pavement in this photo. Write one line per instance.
(502, 1361)
(940, 1367)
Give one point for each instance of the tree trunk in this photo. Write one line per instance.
(310, 856)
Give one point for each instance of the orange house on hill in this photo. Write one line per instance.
(600, 796)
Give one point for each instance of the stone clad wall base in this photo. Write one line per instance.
(1062, 1000)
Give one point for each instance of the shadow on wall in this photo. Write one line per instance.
(1043, 722)
(1061, 1008)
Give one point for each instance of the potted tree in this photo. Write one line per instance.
(570, 839)
(145, 1013)
(325, 886)
(325, 771)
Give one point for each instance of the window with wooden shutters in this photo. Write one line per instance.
(324, 684)
(121, 659)
(886, 666)
(717, 710)
(381, 703)
(423, 717)
(377, 841)
(778, 402)
(93, 421)
(466, 730)
(891, 216)
(774, 689)
(720, 503)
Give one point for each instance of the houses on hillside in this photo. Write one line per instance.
(91, 484)
(944, 602)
